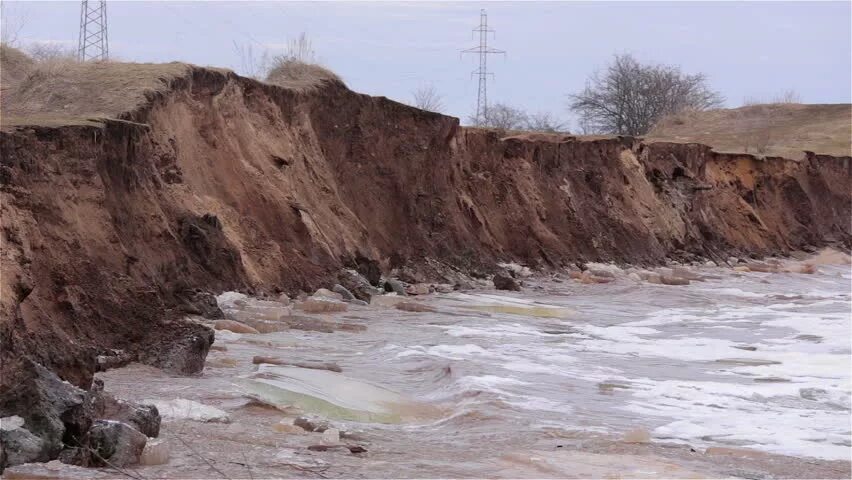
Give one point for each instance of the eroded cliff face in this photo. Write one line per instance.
(226, 183)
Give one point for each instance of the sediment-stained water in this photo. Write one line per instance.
(743, 374)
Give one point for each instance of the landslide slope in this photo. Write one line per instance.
(126, 188)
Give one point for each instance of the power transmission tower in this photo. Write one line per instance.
(483, 50)
(93, 43)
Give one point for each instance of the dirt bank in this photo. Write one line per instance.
(111, 227)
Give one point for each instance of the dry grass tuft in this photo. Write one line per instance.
(14, 65)
(778, 129)
(298, 75)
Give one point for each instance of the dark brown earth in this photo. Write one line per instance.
(111, 230)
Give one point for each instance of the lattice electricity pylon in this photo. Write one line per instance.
(93, 43)
(483, 50)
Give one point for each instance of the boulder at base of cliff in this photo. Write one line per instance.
(177, 347)
(199, 302)
(357, 284)
(112, 443)
(505, 282)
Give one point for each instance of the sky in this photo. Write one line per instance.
(748, 50)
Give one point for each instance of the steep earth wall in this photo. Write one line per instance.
(227, 183)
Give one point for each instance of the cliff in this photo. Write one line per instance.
(119, 206)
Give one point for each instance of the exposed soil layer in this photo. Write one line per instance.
(110, 229)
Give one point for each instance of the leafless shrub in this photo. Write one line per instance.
(629, 97)
(787, 96)
(545, 122)
(501, 117)
(427, 98)
(252, 65)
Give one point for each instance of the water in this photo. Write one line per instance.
(757, 360)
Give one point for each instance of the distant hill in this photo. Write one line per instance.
(782, 129)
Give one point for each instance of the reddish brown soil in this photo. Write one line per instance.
(226, 183)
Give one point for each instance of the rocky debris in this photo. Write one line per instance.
(505, 282)
(741, 268)
(319, 305)
(311, 425)
(156, 452)
(394, 285)
(515, 269)
(686, 273)
(331, 366)
(234, 326)
(113, 359)
(331, 436)
(266, 326)
(111, 443)
(285, 426)
(230, 300)
(178, 347)
(311, 324)
(355, 301)
(414, 307)
(671, 280)
(586, 277)
(418, 289)
(386, 300)
(358, 285)
(326, 294)
(283, 299)
(344, 293)
(51, 409)
(444, 288)
(199, 302)
(184, 409)
(637, 435)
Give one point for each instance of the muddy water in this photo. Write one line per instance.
(744, 375)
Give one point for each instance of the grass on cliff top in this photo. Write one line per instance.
(780, 129)
(62, 91)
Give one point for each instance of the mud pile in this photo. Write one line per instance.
(113, 229)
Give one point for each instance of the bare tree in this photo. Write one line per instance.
(503, 117)
(51, 52)
(787, 96)
(427, 98)
(545, 122)
(628, 97)
(251, 64)
(11, 24)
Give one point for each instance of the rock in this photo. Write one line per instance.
(330, 366)
(199, 302)
(324, 293)
(655, 278)
(669, 280)
(710, 263)
(733, 260)
(414, 307)
(393, 285)
(637, 435)
(177, 347)
(18, 445)
(815, 394)
(344, 293)
(331, 436)
(183, 409)
(112, 443)
(311, 425)
(234, 326)
(418, 289)
(588, 278)
(356, 449)
(317, 305)
(505, 282)
(156, 452)
(386, 300)
(742, 268)
(634, 276)
(145, 418)
(681, 272)
(228, 300)
(283, 299)
(358, 285)
(762, 267)
(601, 273)
(357, 302)
(226, 362)
(444, 288)
(113, 359)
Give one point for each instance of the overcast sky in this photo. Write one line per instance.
(748, 50)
